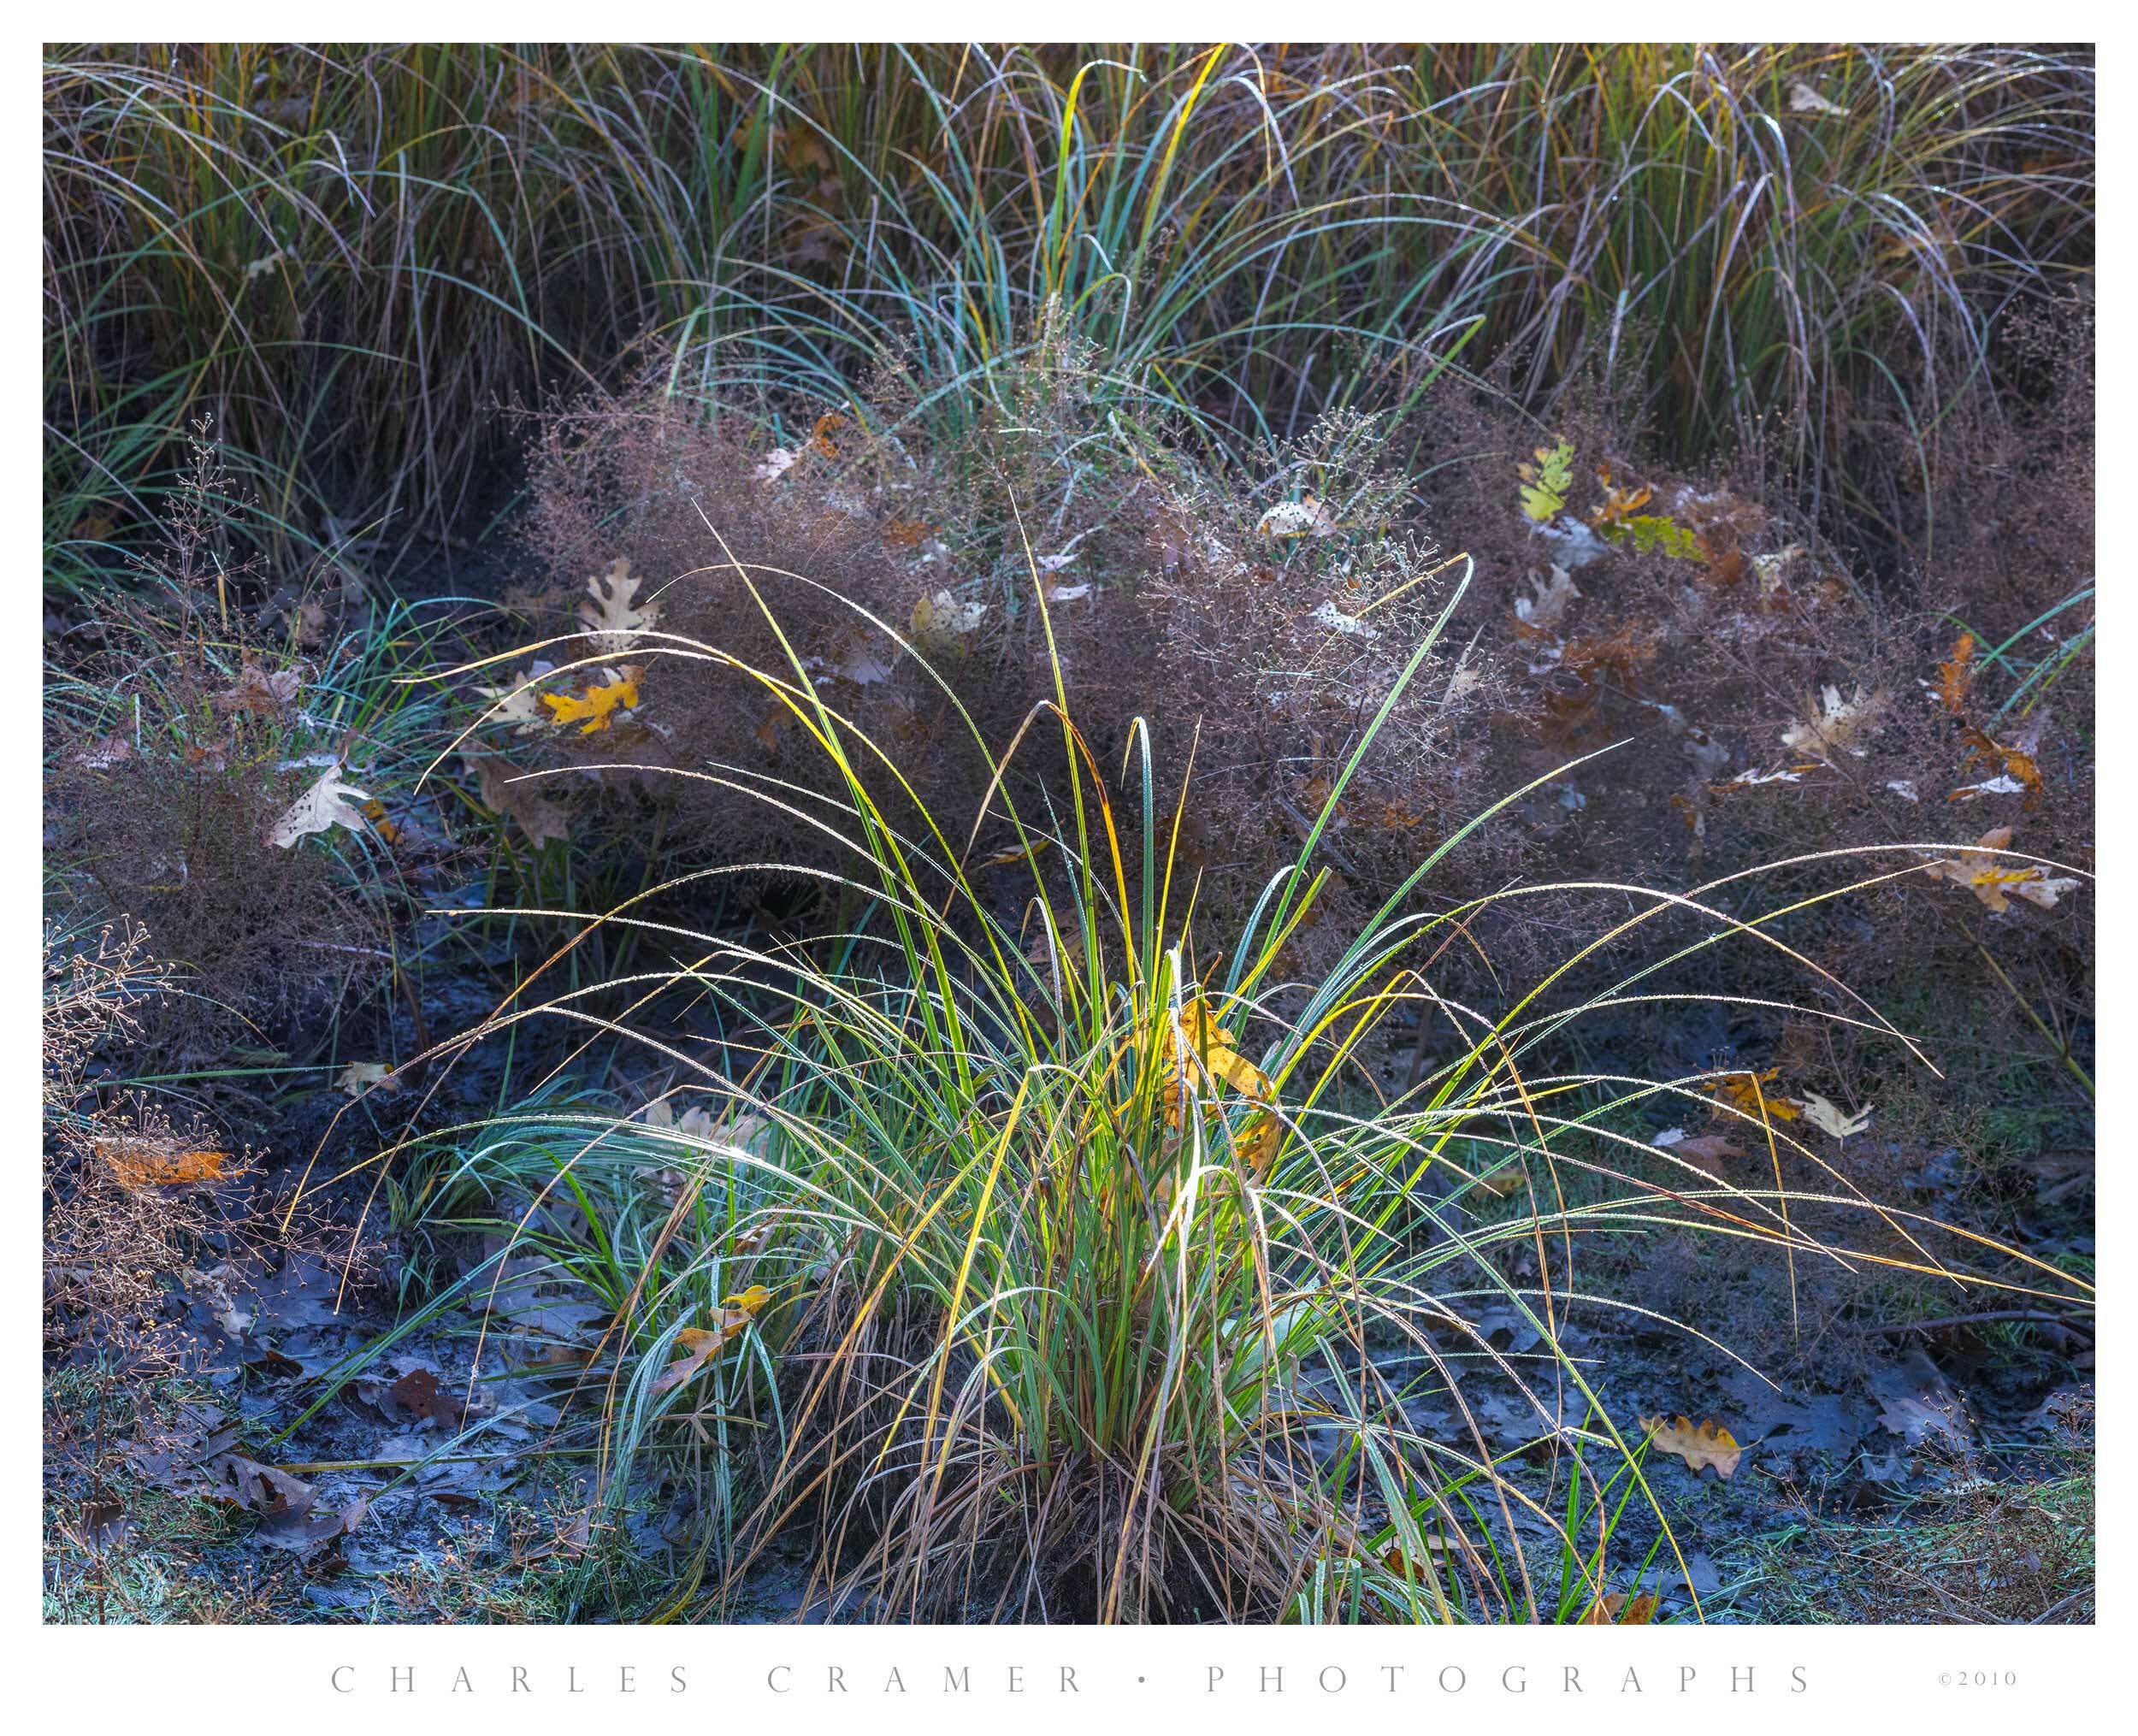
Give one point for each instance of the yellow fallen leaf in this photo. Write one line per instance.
(1985, 873)
(1748, 1092)
(1545, 483)
(598, 702)
(700, 1344)
(1200, 1040)
(1010, 855)
(1258, 1142)
(1697, 1444)
(1508, 1180)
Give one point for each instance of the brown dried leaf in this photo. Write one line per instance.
(263, 693)
(541, 821)
(1698, 1444)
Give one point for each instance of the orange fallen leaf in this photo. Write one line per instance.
(2018, 764)
(1954, 676)
(141, 1162)
(1698, 1444)
(1396, 1561)
(1619, 504)
(820, 436)
(375, 811)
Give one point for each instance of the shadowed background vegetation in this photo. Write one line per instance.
(353, 257)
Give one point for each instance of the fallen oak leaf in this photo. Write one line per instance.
(1704, 1148)
(360, 1076)
(517, 705)
(1834, 725)
(941, 622)
(418, 1393)
(541, 821)
(326, 804)
(1748, 1092)
(1699, 1444)
(773, 465)
(820, 437)
(1545, 483)
(1258, 1142)
(2020, 773)
(1805, 100)
(1616, 1610)
(1326, 614)
(2000, 785)
(1398, 1561)
(1619, 504)
(1823, 1115)
(104, 753)
(597, 703)
(375, 811)
(263, 693)
(1290, 518)
(611, 611)
(1982, 872)
(1540, 615)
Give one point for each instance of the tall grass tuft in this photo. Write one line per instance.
(1042, 1258)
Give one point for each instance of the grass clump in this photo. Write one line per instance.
(1028, 1261)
